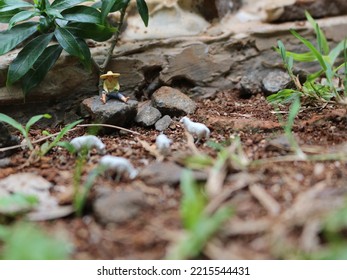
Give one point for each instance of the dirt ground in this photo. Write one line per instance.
(280, 203)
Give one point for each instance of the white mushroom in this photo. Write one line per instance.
(196, 129)
(163, 143)
(88, 142)
(119, 166)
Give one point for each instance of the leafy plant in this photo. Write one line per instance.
(47, 28)
(323, 85)
(288, 127)
(17, 203)
(23, 130)
(199, 226)
(81, 190)
(47, 146)
(24, 241)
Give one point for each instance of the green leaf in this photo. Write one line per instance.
(11, 38)
(34, 120)
(284, 96)
(97, 32)
(61, 134)
(41, 246)
(302, 57)
(87, 57)
(195, 240)
(61, 5)
(193, 201)
(321, 39)
(120, 4)
(68, 42)
(6, 16)
(8, 5)
(293, 112)
(68, 146)
(53, 13)
(312, 77)
(282, 50)
(198, 161)
(143, 10)
(106, 7)
(21, 16)
(82, 14)
(312, 48)
(12, 122)
(41, 67)
(27, 57)
(17, 203)
(74, 45)
(336, 51)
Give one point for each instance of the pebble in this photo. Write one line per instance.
(118, 206)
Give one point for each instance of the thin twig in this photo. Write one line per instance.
(55, 134)
(109, 125)
(114, 41)
(289, 158)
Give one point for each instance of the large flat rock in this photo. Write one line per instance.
(114, 112)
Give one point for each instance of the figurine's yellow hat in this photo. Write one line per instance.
(109, 74)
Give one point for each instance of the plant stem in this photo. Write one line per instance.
(114, 41)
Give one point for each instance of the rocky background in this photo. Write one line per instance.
(194, 47)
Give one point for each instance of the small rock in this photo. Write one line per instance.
(6, 140)
(163, 123)
(276, 81)
(114, 112)
(283, 10)
(148, 115)
(279, 143)
(172, 102)
(4, 162)
(159, 173)
(27, 184)
(118, 207)
(250, 85)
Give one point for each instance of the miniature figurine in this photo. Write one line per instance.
(118, 166)
(163, 143)
(111, 88)
(196, 129)
(88, 142)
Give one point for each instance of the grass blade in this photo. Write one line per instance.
(312, 48)
(12, 122)
(322, 42)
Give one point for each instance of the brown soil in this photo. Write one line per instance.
(280, 204)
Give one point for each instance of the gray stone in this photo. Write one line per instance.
(196, 65)
(276, 81)
(114, 112)
(159, 173)
(250, 84)
(172, 102)
(6, 140)
(118, 207)
(163, 123)
(283, 11)
(147, 115)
